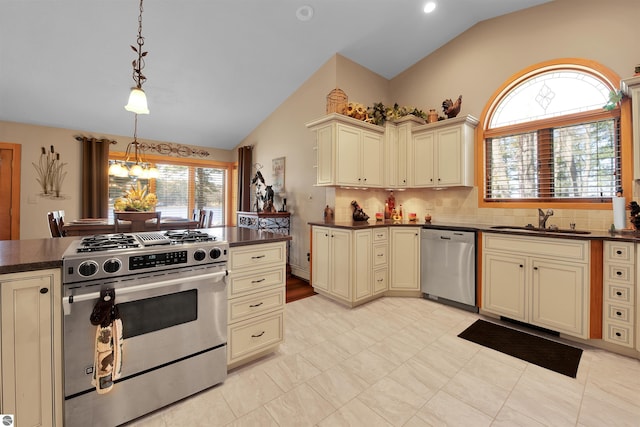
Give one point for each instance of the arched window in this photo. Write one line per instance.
(548, 138)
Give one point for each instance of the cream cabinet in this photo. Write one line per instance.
(256, 294)
(619, 287)
(380, 260)
(404, 260)
(344, 266)
(631, 88)
(398, 140)
(31, 347)
(350, 152)
(442, 153)
(538, 280)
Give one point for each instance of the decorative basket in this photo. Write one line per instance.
(336, 101)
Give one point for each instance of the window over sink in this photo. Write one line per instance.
(546, 137)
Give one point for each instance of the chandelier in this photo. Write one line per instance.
(137, 98)
(140, 168)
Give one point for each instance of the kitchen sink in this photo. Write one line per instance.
(539, 230)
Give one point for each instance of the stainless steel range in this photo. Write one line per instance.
(171, 299)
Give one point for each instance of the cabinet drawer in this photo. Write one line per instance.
(618, 334)
(255, 335)
(619, 293)
(253, 305)
(256, 256)
(619, 273)
(241, 284)
(380, 234)
(619, 252)
(380, 278)
(619, 313)
(380, 255)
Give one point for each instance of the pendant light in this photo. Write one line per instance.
(137, 98)
(140, 167)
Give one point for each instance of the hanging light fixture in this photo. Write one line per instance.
(140, 167)
(137, 98)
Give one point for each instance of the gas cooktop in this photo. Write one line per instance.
(109, 242)
(111, 255)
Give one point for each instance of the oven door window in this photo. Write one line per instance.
(153, 314)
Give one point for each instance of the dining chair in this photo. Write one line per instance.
(206, 218)
(138, 220)
(54, 228)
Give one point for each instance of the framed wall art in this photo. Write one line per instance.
(277, 174)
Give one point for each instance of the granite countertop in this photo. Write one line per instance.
(624, 235)
(39, 254)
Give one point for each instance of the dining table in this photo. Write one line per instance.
(94, 226)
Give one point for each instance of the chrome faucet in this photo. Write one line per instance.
(543, 217)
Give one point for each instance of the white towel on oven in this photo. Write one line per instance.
(107, 364)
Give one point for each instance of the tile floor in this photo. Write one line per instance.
(399, 362)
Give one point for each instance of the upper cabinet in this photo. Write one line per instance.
(350, 152)
(631, 88)
(441, 154)
(405, 154)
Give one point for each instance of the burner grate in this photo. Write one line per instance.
(188, 236)
(103, 242)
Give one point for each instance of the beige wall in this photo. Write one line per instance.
(34, 206)
(473, 65)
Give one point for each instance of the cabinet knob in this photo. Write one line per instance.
(44, 290)
(618, 273)
(618, 293)
(618, 313)
(521, 266)
(535, 268)
(618, 334)
(619, 252)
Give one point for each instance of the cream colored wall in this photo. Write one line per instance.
(34, 206)
(473, 65)
(284, 134)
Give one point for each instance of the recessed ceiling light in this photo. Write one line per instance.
(429, 7)
(304, 13)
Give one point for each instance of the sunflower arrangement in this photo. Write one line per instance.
(138, 198)
(356, 110)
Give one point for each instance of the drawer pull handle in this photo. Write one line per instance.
(619, 273)
(255, 305)
(380, 280)
(258, 281)
(618, 293)
(619, 252)
(618, 313)
(380, 255)
(44, 290)
(258, 257)
(618, 334)
(258, 335)
(521, 266)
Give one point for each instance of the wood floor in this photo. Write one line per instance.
(298, 288)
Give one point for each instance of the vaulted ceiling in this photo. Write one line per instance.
(215, 68)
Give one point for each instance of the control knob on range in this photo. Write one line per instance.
(88, 268)
(199, 255)
(112, 265)
(215, 253)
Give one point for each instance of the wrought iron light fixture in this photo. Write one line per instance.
(140, 167)
(137, 98)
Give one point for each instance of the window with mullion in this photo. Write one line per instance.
(579, 161)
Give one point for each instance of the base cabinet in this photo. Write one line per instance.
(619, 290)
(347, 265)
(404, 261)
(541, 281)
(31, 347)
(256, 293)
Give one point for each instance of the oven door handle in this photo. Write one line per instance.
(67, 301)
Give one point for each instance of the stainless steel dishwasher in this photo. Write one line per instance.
(448, 267)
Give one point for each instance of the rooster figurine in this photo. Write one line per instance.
(450, 108)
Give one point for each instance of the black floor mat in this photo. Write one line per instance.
(549, 354)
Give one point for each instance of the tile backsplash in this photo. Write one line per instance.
(460, 205)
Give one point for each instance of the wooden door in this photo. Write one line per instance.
(10, 191)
